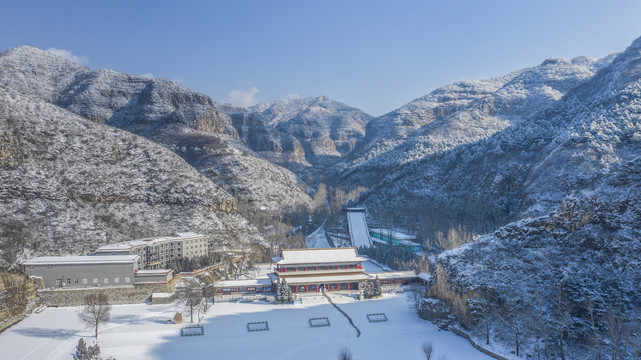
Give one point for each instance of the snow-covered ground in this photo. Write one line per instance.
(358, 228)
(259, 271)
(141, 332)
(317, 239)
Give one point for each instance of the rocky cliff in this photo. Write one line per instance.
(303, 135)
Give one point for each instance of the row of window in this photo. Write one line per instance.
(96, 281)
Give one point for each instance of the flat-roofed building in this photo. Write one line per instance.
(156, 253)
(148, 277)
(83, 271)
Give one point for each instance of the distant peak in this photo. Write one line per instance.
(636, 44)
(33, 54)
(24, 49)
(555, 61)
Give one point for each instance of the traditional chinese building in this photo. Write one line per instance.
(310, 271)
(314, 270)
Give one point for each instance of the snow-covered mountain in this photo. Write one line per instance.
(304, 135)
(460, 113)
(69, 185)
(185, 121)
(566, 268)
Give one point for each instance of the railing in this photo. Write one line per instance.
(319, 271)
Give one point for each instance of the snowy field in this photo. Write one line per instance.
(141, 332)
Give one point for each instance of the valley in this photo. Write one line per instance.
(520, 192)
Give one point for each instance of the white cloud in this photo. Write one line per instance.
(80, 60)
(148, 76)
(292, 96)
(243, 97)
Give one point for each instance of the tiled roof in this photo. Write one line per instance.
(319, 256)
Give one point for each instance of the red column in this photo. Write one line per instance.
(347, 286)
(305, 288)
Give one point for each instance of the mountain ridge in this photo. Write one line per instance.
(160, 110)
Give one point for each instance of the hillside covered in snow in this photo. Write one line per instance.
(303, 135)
(565, 269)
(416, 157)
(69, 185)
(182, 120)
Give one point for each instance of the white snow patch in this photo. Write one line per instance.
(141, 332)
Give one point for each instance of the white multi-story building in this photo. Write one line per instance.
(155, 253)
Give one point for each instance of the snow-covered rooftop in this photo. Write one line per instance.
(92, 259)
(319, 256)
(248, 282)
(424, 276)
(162, 295)
(153, 272)
(124, 245)
(395, 275)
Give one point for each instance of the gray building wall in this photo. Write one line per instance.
(141, 277)
(156, 253)
(83, 275)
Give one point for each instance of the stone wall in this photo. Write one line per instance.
(117, 295)
(76, 297)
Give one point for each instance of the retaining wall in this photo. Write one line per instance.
(132, 294)
(478, 347)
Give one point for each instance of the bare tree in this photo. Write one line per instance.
(596, 336)
(616, 333)
(344, 354)
(428, 349)
(415, 296)
(514, 320)
(635, 338)
(96, 311)
(194, 298)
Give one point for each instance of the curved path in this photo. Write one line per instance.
(358, 331)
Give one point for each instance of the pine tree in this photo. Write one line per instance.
(369, 290)
(287, 292)
(279, 291)
(94, 352)
(86, 353)
(378, 288)
(81, 351)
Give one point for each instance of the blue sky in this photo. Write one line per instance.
(375, 55)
